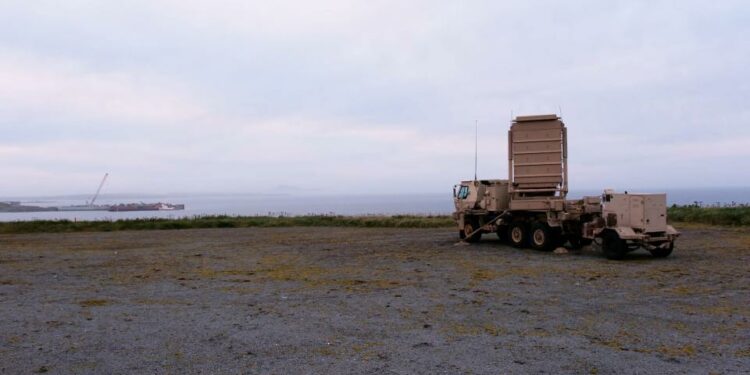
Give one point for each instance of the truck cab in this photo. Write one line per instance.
(477, 203)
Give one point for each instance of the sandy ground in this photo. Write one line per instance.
(344, 300)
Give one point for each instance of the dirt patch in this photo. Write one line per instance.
(93, 303)
(343, 300)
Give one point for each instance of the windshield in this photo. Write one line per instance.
(463, 192)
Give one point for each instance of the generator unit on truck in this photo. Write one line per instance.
(531, 208)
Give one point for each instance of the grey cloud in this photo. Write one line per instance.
(628, 75)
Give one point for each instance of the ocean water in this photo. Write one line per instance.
(254, 204)
(247, 205)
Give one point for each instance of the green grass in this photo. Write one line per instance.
(727, 216)
(58, 226)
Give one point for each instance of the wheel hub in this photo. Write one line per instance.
(516, 234)
(538, 237)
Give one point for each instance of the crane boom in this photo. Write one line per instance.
(98, 189)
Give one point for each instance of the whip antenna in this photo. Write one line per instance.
(476, 146)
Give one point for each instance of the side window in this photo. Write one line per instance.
(464, 192)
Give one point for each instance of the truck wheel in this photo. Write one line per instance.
(502, 233)
(468, 229)
(542, 237)
(577, 242)
(663, 252)
(517, 234)
(613, 246)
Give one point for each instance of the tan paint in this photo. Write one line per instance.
(537, 186)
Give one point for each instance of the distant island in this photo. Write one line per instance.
(18, 207)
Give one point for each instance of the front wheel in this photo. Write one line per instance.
(662, 252)
(502, 233)
(469, 228)
(613, 246)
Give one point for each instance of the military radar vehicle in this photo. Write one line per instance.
(531, 208)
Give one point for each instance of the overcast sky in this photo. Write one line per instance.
(366, 97)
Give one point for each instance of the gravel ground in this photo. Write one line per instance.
(346, 300)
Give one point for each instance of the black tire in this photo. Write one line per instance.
(662, 252)
(560, 240)
(577, 242)
(613, 246)
(469, 227)
(542, 237)
(502, 233)
(517, 234)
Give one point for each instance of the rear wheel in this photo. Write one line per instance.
(613, 246)
(663, 252)
(469, 227)
(517, 234)
(543, 237)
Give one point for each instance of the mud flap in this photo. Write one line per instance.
(627, 233)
